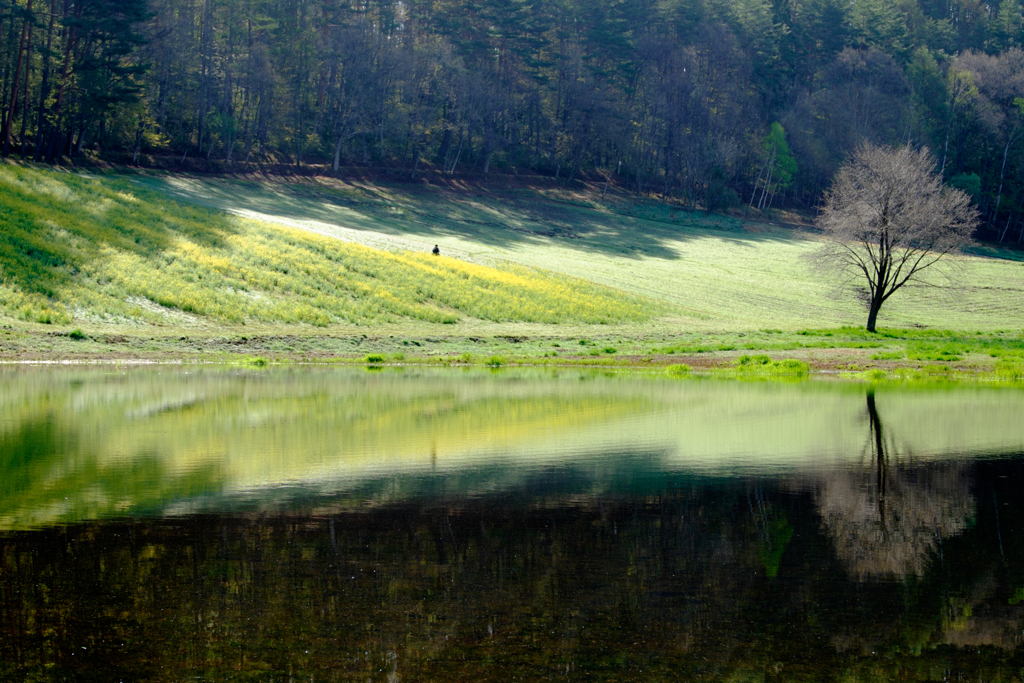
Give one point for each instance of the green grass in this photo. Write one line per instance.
(135, 266)
(1010, 369)
(761, 365)
(714, 273)
(79, 248)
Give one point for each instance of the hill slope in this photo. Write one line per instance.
(152, 265)
(104, 250)
(715, 273)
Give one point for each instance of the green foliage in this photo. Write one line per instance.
(374, 358)
(1008, 28)
(720, 196)
(76, 334)
(969, 183)
(761, 365)
(495, 362)
(785, 165)
(756, 24)
(874, 375)
(678, 370)
(880, 24)
(930, 351)
(928, 87)
(778, 533)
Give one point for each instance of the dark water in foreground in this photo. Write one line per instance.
(352, 526)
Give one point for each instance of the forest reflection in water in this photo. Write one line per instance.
(594, 536)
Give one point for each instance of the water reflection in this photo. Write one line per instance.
(330, 525)
(669, 585)
(888, 516)
(79, 444)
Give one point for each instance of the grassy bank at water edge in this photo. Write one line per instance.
(144, 267)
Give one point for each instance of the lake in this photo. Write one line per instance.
(170, 523)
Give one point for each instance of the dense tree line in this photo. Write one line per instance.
(712, 102)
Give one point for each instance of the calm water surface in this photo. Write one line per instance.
(170, 524)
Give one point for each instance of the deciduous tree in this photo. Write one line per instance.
(888, 219)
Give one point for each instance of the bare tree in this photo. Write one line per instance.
(888, 218)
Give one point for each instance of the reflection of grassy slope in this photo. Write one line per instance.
(807, 427)
(718, 273)
(25, 452)
(140, 444)
(46, 476)
(80, 443)
(76, 247)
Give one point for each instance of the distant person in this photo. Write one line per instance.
(435, 251)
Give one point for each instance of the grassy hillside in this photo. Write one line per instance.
(137, 266)
(716, 273)
(85, 249)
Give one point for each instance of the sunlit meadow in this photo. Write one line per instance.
(104, 250)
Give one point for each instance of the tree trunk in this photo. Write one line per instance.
(608, 181)
(64, 75)
(442, 152)
(337, 154)
(1002, 170)
(44, 87)
(873, 309)
(1002, 236)
(25, 98)
(881, 461)
(13, 103)
(139, 131)
(999, 193)
(83, 126)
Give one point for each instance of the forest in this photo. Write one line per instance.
(711, 103)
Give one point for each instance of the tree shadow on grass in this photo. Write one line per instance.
(497, 219)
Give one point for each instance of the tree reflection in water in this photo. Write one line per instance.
(887, 517)
(889, 572)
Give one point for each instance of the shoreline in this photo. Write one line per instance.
(890, 357)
